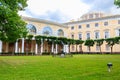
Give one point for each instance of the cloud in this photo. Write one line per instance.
(101, 5)
(62, 9)
(65, 10)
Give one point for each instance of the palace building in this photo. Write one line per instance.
(95, 25)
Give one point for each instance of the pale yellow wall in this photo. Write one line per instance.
(39, 26)
(112, 25)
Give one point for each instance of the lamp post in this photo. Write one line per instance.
(109, 66)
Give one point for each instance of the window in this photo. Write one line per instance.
(72, 36)
(105, 23)
(91, 16)
(88, 35)
(80, 26)
(88, 48)
(87, 25)
(31, 29)
(80, 36)
(107, 47)
(117, 32)
(72, 28)
(97, 48)
(47, 31)
(107, 34)
(72, 48)
(96, 15)
(97, 35)
(60, 33)
(118, 21)
(96, 24)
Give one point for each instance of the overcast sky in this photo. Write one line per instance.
(65, 10)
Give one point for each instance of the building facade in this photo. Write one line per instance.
(93, 25)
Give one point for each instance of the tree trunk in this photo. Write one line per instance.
(69, 48)
(111, 49)
(89, 49)
(81, 48)
(100, 50)
(7, 44)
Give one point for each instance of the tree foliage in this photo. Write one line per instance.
(89, 43)
(111, 42)
(12, 26)
(117, 2)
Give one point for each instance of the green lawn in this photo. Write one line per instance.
(78, 67)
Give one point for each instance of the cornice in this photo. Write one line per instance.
(43, 21)
(92, 20)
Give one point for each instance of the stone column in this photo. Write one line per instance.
(52, 48)
(22, 45)
(67, 48)
(36, 48)
(16, 46)
(56, 49)
(0, 46)
(41, 47)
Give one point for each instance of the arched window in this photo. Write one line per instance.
(47, 31)
(60, 33)
(31, 29)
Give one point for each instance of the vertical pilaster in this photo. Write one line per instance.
(22, 45)
(41, 47)
(36, 48)
(16, 46)
(52, 48)
(0, 46)
(56, 48)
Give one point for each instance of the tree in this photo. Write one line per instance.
(52, 39)
(12, 26)
(79, 42)
(117, 3)
(89, 43)
(117, 40)
(29, 41)
(99, 42)
(38, 41)
(111, 42)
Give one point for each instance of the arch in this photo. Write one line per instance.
(47, 31)
(31, 29)
(60, 33)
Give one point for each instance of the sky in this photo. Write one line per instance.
(66, 10)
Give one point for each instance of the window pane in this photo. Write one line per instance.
(96, 24)
(80, 26)
(72, 27)
(105, 23)
(72, 36)
(96, 35)
(87, 25)
(80, 36)
(88, 35)
(107, 34)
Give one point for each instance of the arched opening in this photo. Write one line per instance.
(60, 33)
(31, 29)
(47, 31)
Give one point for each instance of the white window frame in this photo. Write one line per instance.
(106, 34)
(79, 36)
(97, 36)
(88, 37)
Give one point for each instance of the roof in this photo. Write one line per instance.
(95, 19)
(43, 21)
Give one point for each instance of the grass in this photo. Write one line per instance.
(78, 67)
